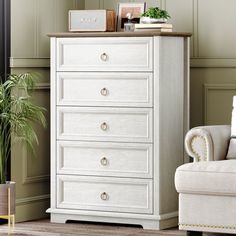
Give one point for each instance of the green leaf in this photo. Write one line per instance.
(18, 114)
(155, 12)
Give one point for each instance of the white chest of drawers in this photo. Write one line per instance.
(119, 112)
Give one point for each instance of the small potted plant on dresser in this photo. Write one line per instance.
(154, 15)
(17, 114)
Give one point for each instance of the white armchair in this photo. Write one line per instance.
(208, 143)
(207, 187)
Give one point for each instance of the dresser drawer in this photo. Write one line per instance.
(104, 89)
(104, 124)
(105, 54)
(104, 194)
(113, 159)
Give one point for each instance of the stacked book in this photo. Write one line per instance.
(161, 27)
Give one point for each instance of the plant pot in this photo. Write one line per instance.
(148, 20)
(4, 198)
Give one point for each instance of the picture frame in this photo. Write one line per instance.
(136, 9)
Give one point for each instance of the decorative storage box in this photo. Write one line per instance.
(92, 20)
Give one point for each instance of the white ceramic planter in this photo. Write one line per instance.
(148, 20)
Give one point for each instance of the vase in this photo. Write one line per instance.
(5, 189)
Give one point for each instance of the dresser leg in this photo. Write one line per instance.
(152, 225)
(194, 233)
(56, 218)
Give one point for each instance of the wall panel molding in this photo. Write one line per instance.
(197, 62)
(221, 91)
(37, 4)
(75, 4)
(36, 179)
(197, 44)
(213, 63)
(181, 17)
(29, 200)
(207, 61)
(215, 37)
(195, 28)
(29, 62)
(92, 4)
(101, 4)
(163, 4)
(26, 179)
(31, 21)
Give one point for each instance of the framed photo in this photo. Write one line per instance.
(135, 9)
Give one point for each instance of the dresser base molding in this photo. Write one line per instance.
(152, 222)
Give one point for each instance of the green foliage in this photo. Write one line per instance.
(17, 115)
(155, 12)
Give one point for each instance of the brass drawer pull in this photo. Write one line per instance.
(104, 57)
(104, 196)
(104, 92)
(104, 126)
(104, 161)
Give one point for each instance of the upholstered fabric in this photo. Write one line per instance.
(214, 178)
(233, 118)
(207, 213)
(232, 145)
(232, 149)
(208, 143)
(207, 187)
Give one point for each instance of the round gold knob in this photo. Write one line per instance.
(104, 126)
(104, 92)
(104, 57)
(104, 196)
(104, 161)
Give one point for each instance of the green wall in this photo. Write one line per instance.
(212, 82)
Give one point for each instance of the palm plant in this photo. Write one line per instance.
(17, 115)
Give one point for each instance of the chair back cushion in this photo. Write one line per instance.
(232, 145)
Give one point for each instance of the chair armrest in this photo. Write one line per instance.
(208, 143)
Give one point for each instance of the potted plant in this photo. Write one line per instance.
(17, 114)
(154, 15)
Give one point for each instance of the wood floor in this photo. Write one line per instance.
(45, 228)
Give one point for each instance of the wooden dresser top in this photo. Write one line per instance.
(119, 34)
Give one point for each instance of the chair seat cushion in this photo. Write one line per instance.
(214, 178)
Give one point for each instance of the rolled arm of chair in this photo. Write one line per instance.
(208, 143)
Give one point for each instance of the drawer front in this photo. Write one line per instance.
(104, 54)
(104, 124)
(105, 194)
(113, 159)
(104, 89)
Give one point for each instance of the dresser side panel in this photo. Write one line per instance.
(156, 136)
(169, 110)
(53, 122)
